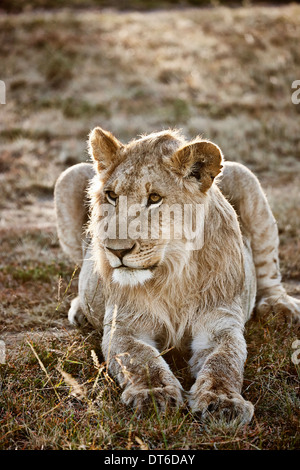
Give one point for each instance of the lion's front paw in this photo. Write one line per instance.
(141, 397)
(221, 405)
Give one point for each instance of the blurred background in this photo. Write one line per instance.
(221, 70)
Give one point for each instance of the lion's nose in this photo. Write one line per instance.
(120, 253)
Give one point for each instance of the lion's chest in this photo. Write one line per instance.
(170, 322)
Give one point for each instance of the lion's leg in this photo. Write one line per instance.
(218, 363)
(139, 368)
(244, 191)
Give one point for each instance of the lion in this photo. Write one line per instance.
(145, 291)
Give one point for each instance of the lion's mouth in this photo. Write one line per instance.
(137, 268)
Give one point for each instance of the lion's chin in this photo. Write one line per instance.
(131, 277)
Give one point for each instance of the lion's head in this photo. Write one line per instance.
(144, 198)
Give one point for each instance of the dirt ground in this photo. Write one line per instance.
(222, 73)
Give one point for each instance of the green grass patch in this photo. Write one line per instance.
(41, 272)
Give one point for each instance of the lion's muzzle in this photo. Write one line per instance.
(132, 254)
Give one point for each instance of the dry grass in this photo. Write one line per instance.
(224, 73)
(56, 395)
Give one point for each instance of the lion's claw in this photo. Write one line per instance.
(141, 397)
(221, 406)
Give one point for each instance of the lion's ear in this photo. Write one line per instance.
(103, 148)
(201, 160)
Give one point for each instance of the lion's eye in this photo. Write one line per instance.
(154, 198)
(111, 197)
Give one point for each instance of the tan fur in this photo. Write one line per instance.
(167, 296)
